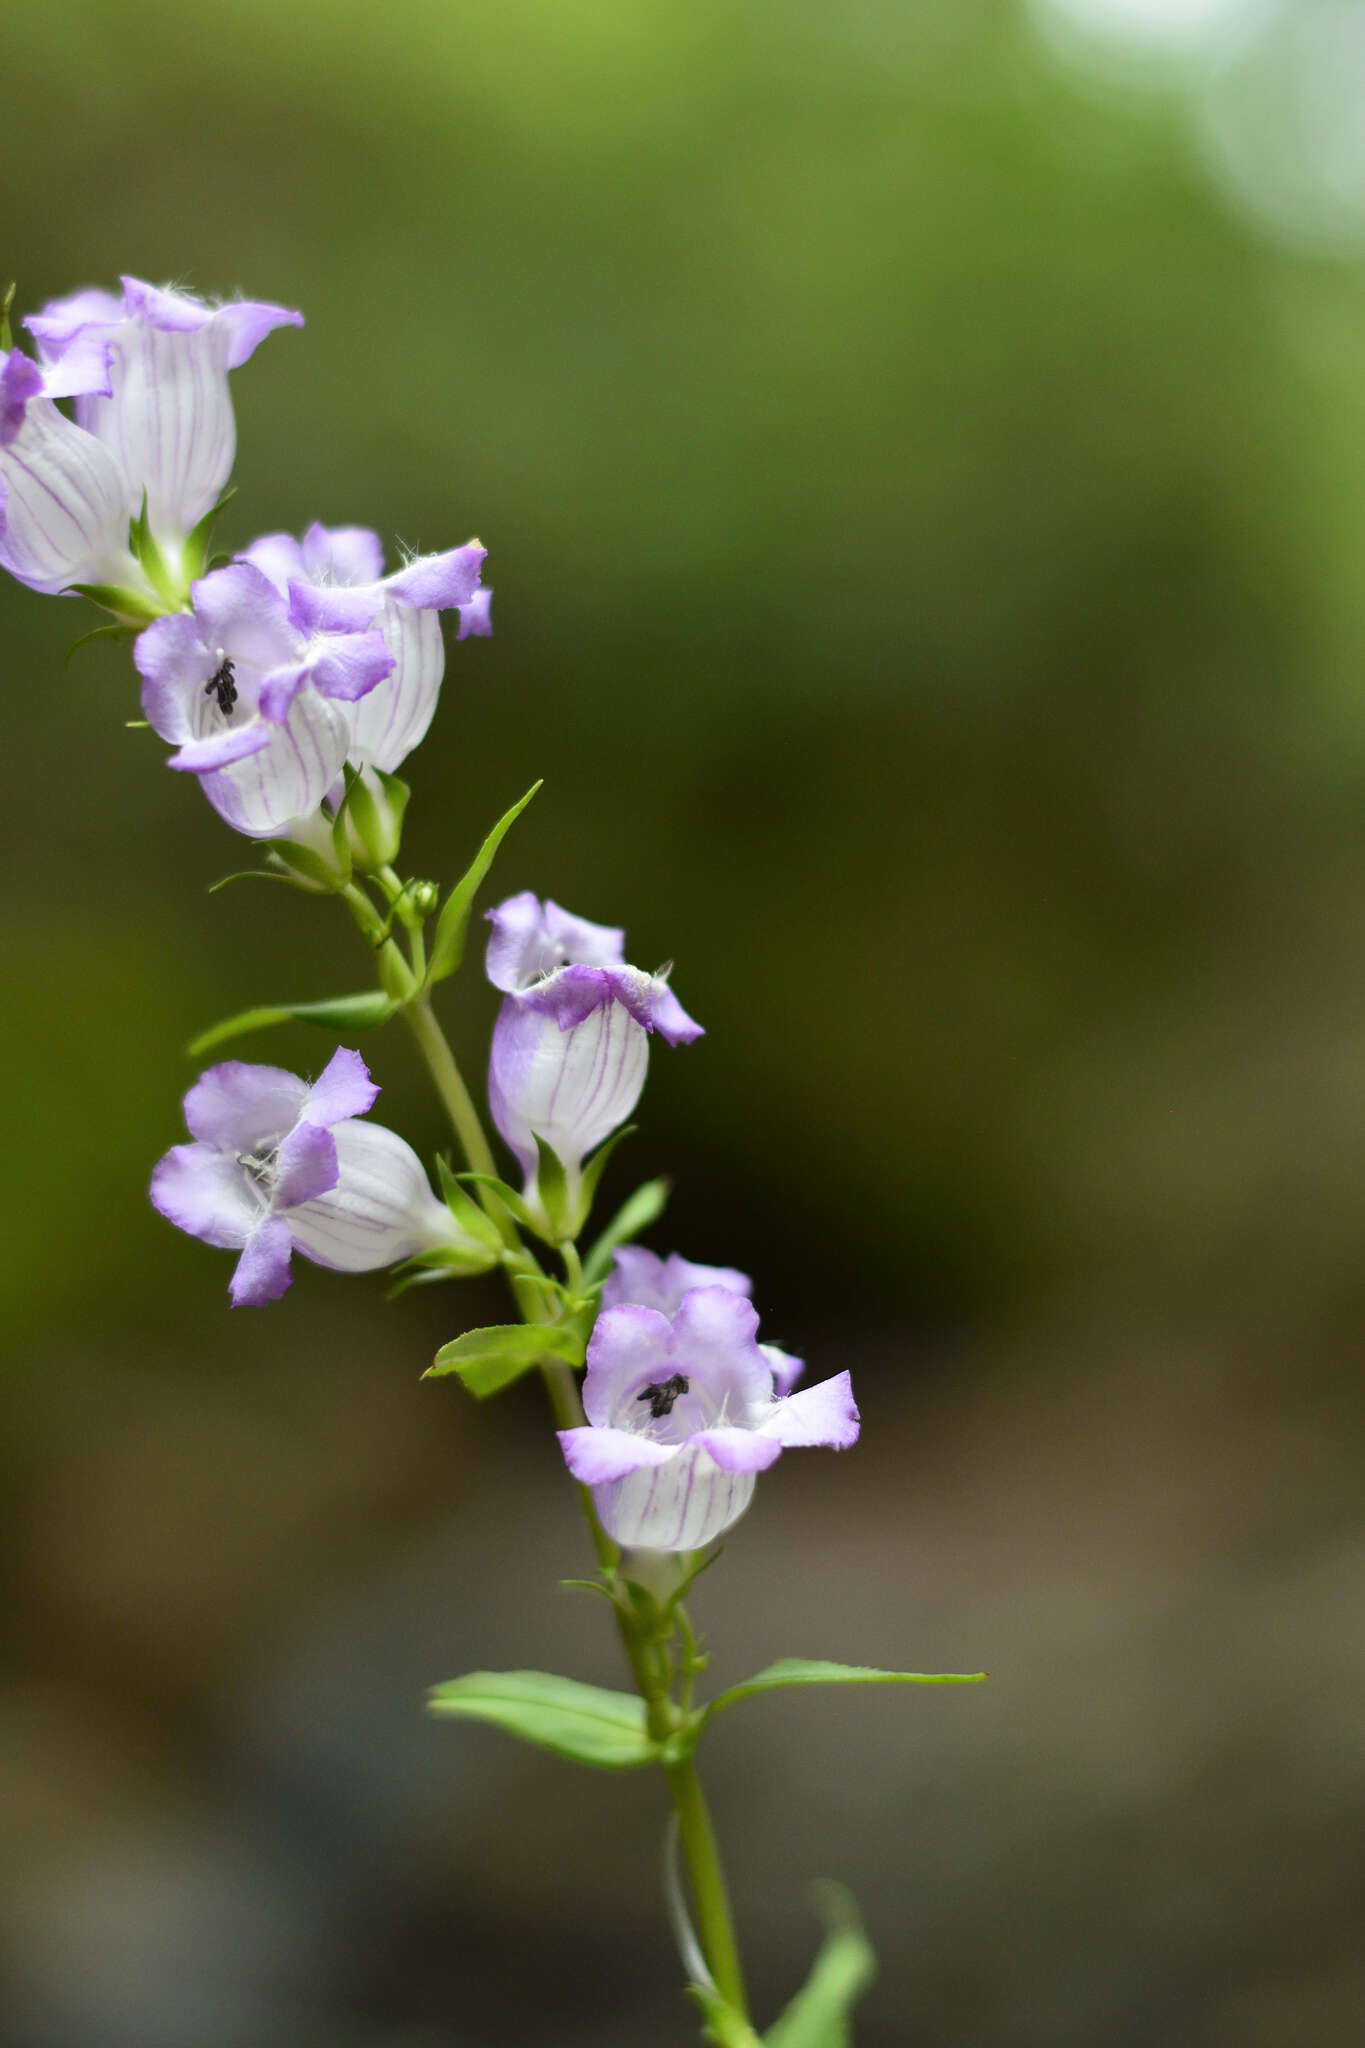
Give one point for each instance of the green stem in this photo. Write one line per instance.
(715, 1923)
(649, 1666)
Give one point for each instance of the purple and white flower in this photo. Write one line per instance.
(641, 1277)
(341, 570)
(571, 1044)
(278, 1166)
(257, 696)
(682, 1414)
(149, 375)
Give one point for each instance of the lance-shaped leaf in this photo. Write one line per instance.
(644, 1207)
(585, 1723)
(491, 1359)
(447, 947)
(818, 2015)
(338, 1013)
(810, 1671)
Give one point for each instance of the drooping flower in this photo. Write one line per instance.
(342, 570)
(278, 1166)
(682, 1414)
(149, 376)
(641, 1277)
(571, 1044)
(256, 697)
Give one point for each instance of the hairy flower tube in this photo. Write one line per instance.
(643, 1278)
(256, 694)
(278, 1166)
(149, 375)
(571, 1044)
(342, 570)
(682, 1414)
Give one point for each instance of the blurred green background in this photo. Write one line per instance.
(919, 447)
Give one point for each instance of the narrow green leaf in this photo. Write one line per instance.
(337, 1013)
(592, 1175)
(645, 1206)
(818, 2016)
(6, 337)
(585, 1723)
(447, 947)
(807, 1671)
(491, 1359)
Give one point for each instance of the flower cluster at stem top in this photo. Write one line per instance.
(287, 680)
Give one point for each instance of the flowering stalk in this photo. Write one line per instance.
(293, 682)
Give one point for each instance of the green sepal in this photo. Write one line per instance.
(553, 1189)
(491, 1359)
(337, 1013)
(197, 540)
(585, 1723)
(145, 550)
(374, 839)
(445, 1262)
(808, 1671)
(309, 865)
(255, 875)
(6, 335)
(447, 947)
(515, 1204)
(644, 1207)
(592, 1176)
(818, 2016)
(722, 2026)
(104, 633)
(131, 607)
(466, 1211)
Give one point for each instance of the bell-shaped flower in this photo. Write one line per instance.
(256, 697)
(64, 502)
(643, 1278)
(278, 1166)
(682, 1415)
(149, 375)
(571, 1044)
(342, 570)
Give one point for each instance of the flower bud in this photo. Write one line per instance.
(571, 1044)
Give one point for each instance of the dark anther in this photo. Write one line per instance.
(223, 688)
(662, 1397)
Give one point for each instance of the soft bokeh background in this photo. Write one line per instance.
(921, 448)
